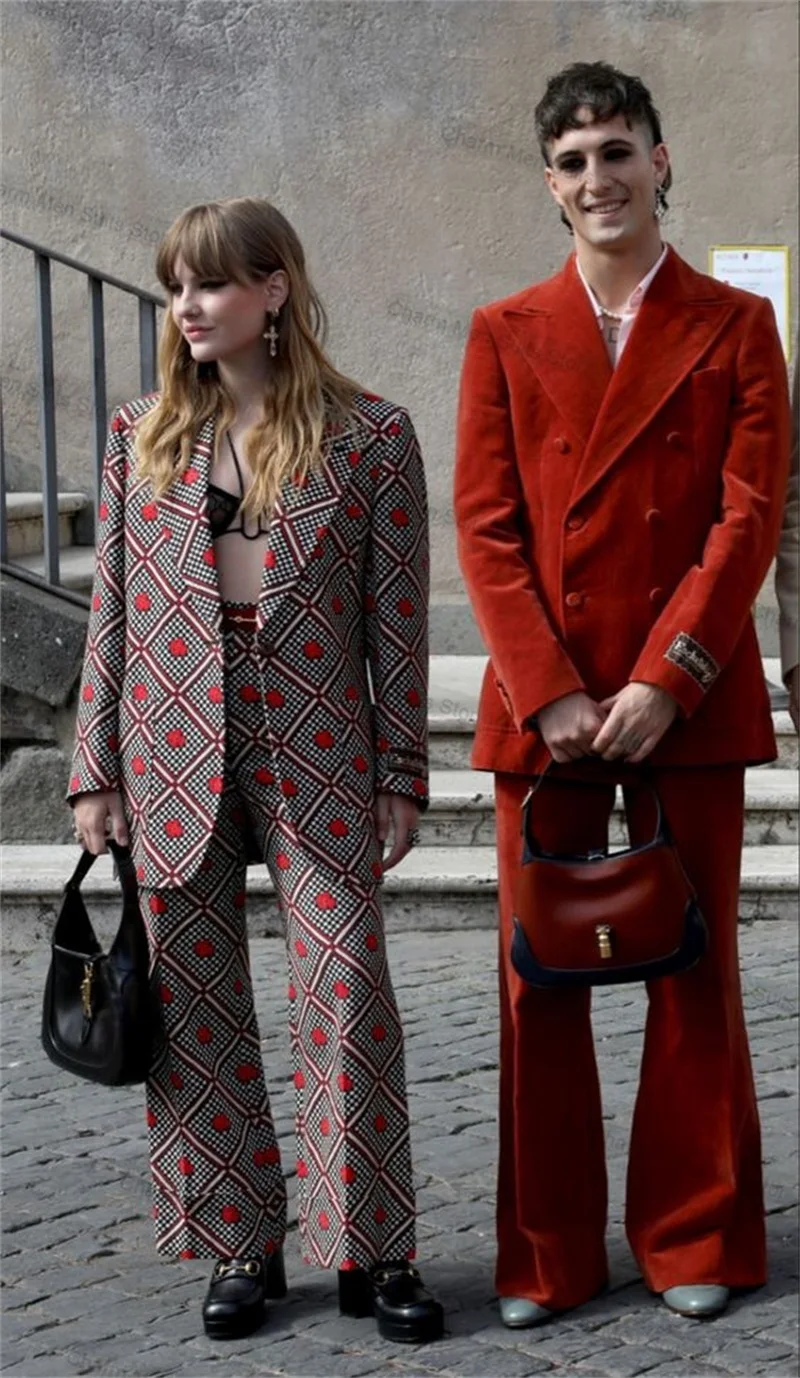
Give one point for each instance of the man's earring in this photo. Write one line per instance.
(271, 334)
(662, 205)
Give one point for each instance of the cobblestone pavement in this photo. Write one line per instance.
(84, 1292)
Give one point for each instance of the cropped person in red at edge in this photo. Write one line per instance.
(622, 456)
(262, 541)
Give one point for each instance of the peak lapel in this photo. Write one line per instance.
(300, 522)
(185, 508)
(559, 339)
(675, 325)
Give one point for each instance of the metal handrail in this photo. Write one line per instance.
(85, 268)
(149, 303)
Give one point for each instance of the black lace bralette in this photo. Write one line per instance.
(223, 506)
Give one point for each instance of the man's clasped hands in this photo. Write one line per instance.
(626, 726)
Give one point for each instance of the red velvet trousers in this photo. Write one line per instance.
(694, 1206)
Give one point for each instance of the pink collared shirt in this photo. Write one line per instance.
(615, 333)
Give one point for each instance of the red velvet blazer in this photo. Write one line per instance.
(616, 525)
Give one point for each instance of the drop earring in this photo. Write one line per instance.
(662, 205)
(271, 334)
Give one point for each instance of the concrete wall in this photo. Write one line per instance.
(397, 137)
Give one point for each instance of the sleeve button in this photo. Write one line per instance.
(562, 444)
(575, 523)
(674, 439)
(574, 600)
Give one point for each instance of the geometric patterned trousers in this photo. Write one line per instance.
(218, 1186)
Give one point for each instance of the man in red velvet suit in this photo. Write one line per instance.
(622, 456)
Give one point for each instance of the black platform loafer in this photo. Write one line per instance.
(395, 1295)
(234, 1304)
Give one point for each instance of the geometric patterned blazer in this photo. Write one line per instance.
(344, 588)
(616, 525)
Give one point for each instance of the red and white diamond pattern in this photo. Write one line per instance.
(345, 587)
(217, 1176)
(283, 738)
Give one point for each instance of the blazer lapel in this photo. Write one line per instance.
(560, 341)
(300, 522)
(185, 509)
(676, 324)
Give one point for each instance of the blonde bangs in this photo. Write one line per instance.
(198, 237)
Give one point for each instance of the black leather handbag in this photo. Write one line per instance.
(600, 918)
(100, 1016)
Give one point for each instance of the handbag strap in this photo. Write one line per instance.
(123, 866)
(662, 832)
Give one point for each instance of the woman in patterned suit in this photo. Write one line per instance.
(255, 688)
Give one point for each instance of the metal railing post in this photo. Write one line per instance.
(147, 345)
(47, 415)
(3, 512)
(97, 345)
(148, 305)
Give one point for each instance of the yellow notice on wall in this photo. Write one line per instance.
(759, 268)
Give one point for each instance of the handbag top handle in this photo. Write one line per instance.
(123, 865)
(661, 837)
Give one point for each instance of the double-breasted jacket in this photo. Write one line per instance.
(616, 525)
(341, 641)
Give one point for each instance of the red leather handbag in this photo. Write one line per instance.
(601, 918)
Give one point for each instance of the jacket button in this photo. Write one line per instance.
(674, 439)
(574, 600)
(652, 516)
(575, 523)
(562, 444)
(656, 596)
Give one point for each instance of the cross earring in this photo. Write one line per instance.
(271, 335)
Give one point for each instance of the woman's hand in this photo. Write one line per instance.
(97, 815)
(403, 816)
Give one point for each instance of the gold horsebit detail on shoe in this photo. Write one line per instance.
(384, 1275)
(251, 1269)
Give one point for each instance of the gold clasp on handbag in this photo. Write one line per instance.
(86, 989)
(603, 932)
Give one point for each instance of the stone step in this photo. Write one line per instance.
(453, 630)
(76, 567)
(435, 888)
(453, 697)
(24, 513)
(461, 812)
(450, 743)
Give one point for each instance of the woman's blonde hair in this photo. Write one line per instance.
(242, 240)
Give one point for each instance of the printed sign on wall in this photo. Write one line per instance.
(759, 268)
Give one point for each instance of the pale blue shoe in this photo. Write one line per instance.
(518, 1313)
(700, 1300)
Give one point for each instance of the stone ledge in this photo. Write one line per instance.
(467, 789)
(27, 506)
(75, 566)
(455, 684)
(436, 889)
